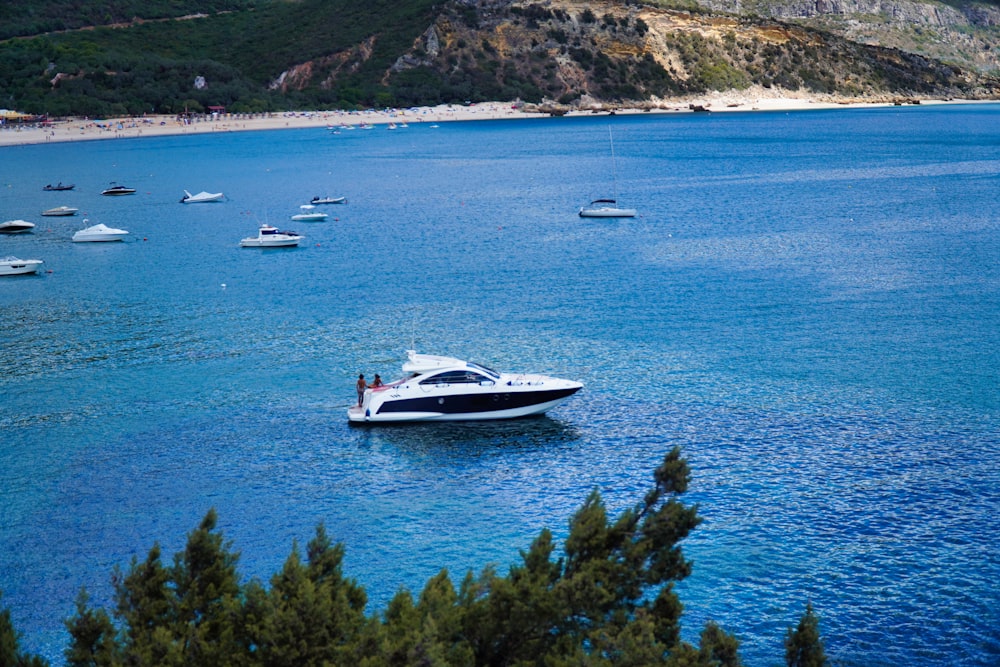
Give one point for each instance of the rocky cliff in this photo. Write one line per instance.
(584, 52)
(963, 33)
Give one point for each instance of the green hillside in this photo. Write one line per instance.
(273, 55)
(32, 17)
(153, 66)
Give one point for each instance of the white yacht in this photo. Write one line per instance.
(438, 388)
(271, 237)
(99, 232)
(117, 190)
(59, 211)
(308, 214)
(201, 197)
(606, 208)
(16, 227)
(12, 266)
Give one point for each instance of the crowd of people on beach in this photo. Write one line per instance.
(76, 129)
(56, 130)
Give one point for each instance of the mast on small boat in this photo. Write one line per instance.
(614, 165)
(608, 208)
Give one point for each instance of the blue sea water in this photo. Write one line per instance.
(808, 304)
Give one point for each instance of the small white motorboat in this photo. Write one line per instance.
(200, 198)
(60, 211)
(16, 227)
(118, 190)
(328, 200)
(438, 388)
(99, 232)
(309, 215)
(606, 208)
(12, 266)
(272, 237)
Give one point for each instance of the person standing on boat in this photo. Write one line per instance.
(362, 385)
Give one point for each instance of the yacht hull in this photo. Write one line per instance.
(607, 212)
(256, 243)
(16, 227)
(98, 238)
(18, 267)
(60, 211)
(462, 407)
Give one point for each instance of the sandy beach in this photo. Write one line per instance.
(61, 130)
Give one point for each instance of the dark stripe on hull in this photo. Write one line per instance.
(473, 403)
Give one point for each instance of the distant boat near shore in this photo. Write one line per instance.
(118, 190)
(99, 233)
(60, 186)
(272, 237)
(12, 266)
(200, 198)
(327, 200)
(608, 208)
(16, 227)
(309, 215)
(60, 211)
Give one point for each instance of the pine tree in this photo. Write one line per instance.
(92, 636)
(147, 607)
(311, 615)
(803, 646)
(208, 598)
(10, 653)
(718, 649)
(607, 601)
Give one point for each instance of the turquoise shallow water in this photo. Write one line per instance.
(808, 304)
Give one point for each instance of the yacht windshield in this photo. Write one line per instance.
(489, 371)
(456, 377)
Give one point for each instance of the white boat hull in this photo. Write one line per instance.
(16, 227)
(98, 238)
(269, 243)
(310, 217)
(60, 211)
(99, 233)
(362, 414)
(15, 267)
(607, 212)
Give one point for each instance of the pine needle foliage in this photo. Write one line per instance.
(803, 646)
(607, 600)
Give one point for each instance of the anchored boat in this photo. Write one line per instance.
(436, 388)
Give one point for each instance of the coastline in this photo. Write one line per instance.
(152, 126)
